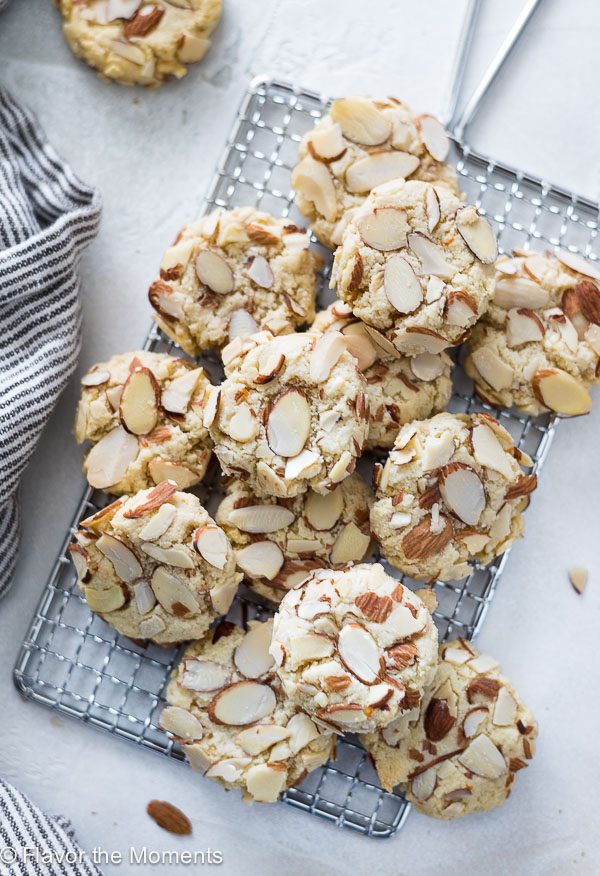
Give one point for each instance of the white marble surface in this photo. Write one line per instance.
(152, 155)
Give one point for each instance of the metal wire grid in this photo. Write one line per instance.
(73, 662)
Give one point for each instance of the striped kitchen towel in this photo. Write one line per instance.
(47, 216)
(33, 844)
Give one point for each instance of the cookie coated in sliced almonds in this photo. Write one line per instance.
(417, 266)
(232, 273)
(359, 144)
(143, 413)
(538, 346)
(292, 414)
(278, 542)
(155, 565)
(460, 752)
(137, 42)
(399, 388)
(227, 709)
(354, 648)
(451, 490)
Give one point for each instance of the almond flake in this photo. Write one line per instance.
(242, 703)
(561, 392)
(401, 285)
(322, 512)
(95, 378)
(473, 721)
(211, 406)
(257, 739)
(461, 308)
(523, 326)
(421, 542)
(326, 353)
(374, 607)
(243, 425)
(384, 228)
(351, 545)
(108, 460)
(181, 723)
(313, 181)
(260, 272)
(520, 292)
(270, 362)
(477, 233)
(178, 394)
(300, 466)
(288, 424)
(261, 518)
(203, 675)
(125, 562)
(252, 656)
(155, 498)
(505, 710)
(241, 324)
(104, 601)
(173, 594)
(359, 653)
(438, 720)
(432, 203)
(578, 579)
(434, 137)
(171, 556)
(327, 143)
(361, 121)
(378, 168)
(423, 785)
(311, 646)
(494, 371)
(431, 255)
(145, 599)
(488, 451)
(212, 544)
(140, 400)
(359, 345)
(261, 559)
(578, 264)
(214, 272)
(483, 758)
(427, 366)
(266, 781)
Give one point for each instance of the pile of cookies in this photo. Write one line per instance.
(305, 401)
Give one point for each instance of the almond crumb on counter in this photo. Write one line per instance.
(578, 579)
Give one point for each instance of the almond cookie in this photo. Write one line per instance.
(143, 413)
(136, 42)
(293, 414)
(279, 541)
(354, 648)
(400, 389)
(417, 266)
(538, 346)
(452, 490)
(232, 273)
(227, 709)
(155, 565)
(362, 143)
(460, 752)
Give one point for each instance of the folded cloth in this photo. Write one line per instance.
(32, 843)
(47, 216)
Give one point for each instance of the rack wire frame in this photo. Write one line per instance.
(74, 663)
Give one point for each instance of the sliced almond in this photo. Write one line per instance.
(178, 394)
(104, 601)
(461, 308)
(327, 143)
(95, 377)
(438, 451)
(128, 51)
(346, 715)
(427, 366)
(252, 656)
(241, 324)
(261, 518)
(140, 402)
(181, 723)
(191, 48)
(165, 470)
(153, 499)
(505, 710)
(432, 203)
(302, 465)
(173, 594)
(385, 346)
(261, 559)
(483, 663)
(151, 626)
(323, 512)
(288, 425)
(421, 542)
(324, 356)
(483, 758)
(578, 579)
(303, 545)
(473, 721)
(172, 556)
(123, 559)
(340, 469)
(242, 703)
(418, 340)
(361, 121)
(434, 137)
(359, 345)
(145, 599)
(108, 460)
(379, 168)
(512, 292)
(360, 653)
(488, 451)
(79, 558)
(384, 228)
(214, 272)
(211, 406)
(257, 739)
(265, 781)
(431, 255)
(260, 272)
(463, 492)
(477, 233)
(270, 362)
(203, 675)
(351, 545)
(494, 371)
(243, 425)
(229, 769)
(423, 785)
(578, 264)
(212, 544)
(401, 285)
(561, 392)
(312, 646)
(523, 326)
(113, 396)
(435, 289)
(302, 731)
(313, 181)
(592, 336)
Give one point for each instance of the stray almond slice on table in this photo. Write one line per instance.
(173, 594)
(431, 255)
(327, 143)
(261, 559)
(213, 271)
(561, 392)
(360, 653)
(478, 235)
(169, 817)
(242, 703)
(361, 121)
(401, 285)
(288, 424)
(578, 579)
(252, 656)
(384, 228)
(313, 181)
(378, 168)
(212, 544)
(108, 460)
(140, 401)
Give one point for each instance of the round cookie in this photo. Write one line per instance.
(137, 42)
(155, 566)
(292, 414)
(354, 648)
(538, 346)
(227, 709)
(459, 754)
(232, 273)
(279, 541)
(416, 265)
(359, 144)
(451, 490)
(399, 388)
(143, 413)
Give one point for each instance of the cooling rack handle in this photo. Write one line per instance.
(457, 126)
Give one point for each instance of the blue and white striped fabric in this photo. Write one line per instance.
(47, 216)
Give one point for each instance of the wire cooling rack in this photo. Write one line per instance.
(74, 663)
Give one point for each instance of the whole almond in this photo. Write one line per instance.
(169, 817)
(438, 720)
